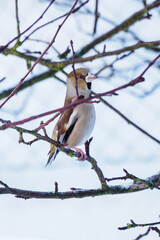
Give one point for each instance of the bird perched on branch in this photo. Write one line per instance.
(76, 123)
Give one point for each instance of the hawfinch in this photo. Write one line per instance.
(75, 124)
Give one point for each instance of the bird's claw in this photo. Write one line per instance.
(83, 156)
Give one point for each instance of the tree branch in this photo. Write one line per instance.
(2, 48)
(117, 189)
(59, 65)
(128, 120)
(133, 225)
(96, 17)
(64, 15)
(34, 133)
(30, 82)
(64, 63)
(119, 51)
(80, 101)
(75, 103)
(137, 180)
(123, 26)
(17, 19)
(44, 52)
(76, 80)
(152, 182)
(148, 231)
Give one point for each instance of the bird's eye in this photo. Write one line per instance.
(81, 76)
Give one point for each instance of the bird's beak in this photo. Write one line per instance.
(90, 77)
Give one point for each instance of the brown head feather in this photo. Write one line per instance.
(81, 73)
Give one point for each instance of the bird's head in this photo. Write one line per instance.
(84, 82)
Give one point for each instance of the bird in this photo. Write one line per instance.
(75, 124)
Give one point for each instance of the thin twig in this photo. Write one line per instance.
(4, 184)
(75, 103)
(128, 120)
(43, 128)
(99, 172)
(117, 189)
(34, 133)
(17, 18)
(30, 82)
(134, 178)
(80, 101)
(42, 41)
(58, 18)
(94, 165)
(75, 75)
(21, 140)
(56, 187)
(2, 48)
(2, 79)
(30, 70)
(79, 59)
(148, 231)
(113, 62)
(96, 17)
(133, 225)
(122, 26)
(47, 122)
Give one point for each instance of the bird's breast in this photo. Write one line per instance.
(84, 125)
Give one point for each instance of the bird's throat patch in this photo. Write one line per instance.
(89, 84)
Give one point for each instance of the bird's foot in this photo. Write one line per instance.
(83, 156)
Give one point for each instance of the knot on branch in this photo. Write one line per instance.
(4, 184)
(135, 81)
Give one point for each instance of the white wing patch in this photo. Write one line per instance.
(61, 138)
(72, 119)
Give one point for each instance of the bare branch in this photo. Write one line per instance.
(34, 133)
(47, 122)
(56, 187)
(148, 231)
(17, 19)
(134, 178)
(98, 172)
(95, 166)
(1, 80)
(80, 101)
(30, 82)
(128, 120)
(76, 80)
(64, 15)
(30, 70)
(123, 26)
(21, 140)
(117, 189)
(2, 48)
(62, 64)
(116, 52)
(133, 225)
(153, 182)
(4, 184)
(96, 17)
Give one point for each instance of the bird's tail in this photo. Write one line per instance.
(52, 155)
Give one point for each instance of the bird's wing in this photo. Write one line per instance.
(62, 130)
(66, 124)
